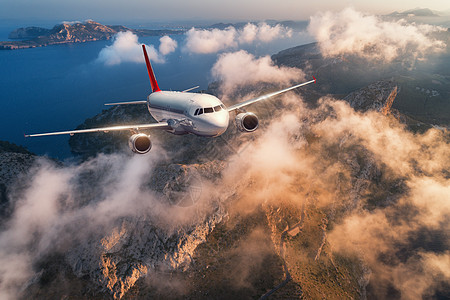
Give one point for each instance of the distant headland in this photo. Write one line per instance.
(31, 37)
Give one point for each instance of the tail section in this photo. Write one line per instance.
(154, 84)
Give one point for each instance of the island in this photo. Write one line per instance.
(31, 37)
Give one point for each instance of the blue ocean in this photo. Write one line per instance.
(57, 87)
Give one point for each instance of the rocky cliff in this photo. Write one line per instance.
(15, 163)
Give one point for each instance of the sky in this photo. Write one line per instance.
(181, 10)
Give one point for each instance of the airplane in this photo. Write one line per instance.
(182, 113)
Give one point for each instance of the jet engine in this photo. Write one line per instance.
(247, 122)
(140, 143)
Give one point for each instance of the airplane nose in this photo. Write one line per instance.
(220, 122)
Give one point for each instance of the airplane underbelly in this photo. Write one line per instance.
(179, 128)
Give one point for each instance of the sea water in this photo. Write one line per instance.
(57, 87)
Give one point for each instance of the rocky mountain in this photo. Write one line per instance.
(132, 239)
(223, 250)
(417, 12)
(71, 33)
(210, 225)
(424, 95)
(421, 16)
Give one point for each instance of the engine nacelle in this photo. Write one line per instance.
(140, 143)
(247, 122)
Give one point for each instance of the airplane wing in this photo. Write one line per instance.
(161, 125)
(264, 97)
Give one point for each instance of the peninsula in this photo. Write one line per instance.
(31, 37)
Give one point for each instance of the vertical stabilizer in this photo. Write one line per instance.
(155, 87)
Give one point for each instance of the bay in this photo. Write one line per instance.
(57, 87)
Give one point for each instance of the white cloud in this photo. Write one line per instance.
(248, 33)
(242, 68)
(351, 32)
(126, 48)
(267, 33)
(215, 40)
(210, 41)
(72, 22)
(167, 45)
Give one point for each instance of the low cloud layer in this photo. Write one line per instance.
(126, 48)
(82, 210)
(386, 189)
(242, 68)
(351, 32)
(215, 40)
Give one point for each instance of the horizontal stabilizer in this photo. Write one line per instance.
(130, 102)
(192, 88)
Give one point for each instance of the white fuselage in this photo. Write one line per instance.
(200, 114)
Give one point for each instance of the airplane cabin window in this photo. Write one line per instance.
(208, 110)
(217, 108)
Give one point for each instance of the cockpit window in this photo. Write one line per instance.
(208, 110)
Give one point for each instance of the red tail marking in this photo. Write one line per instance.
(315, 80)
(154, 84)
